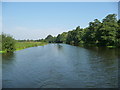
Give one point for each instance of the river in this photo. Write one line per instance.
(60, 66)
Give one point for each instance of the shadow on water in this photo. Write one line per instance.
(104, 63)
(95, 64)
(8, 62)
(8, 59)
(8, 56)
(106, 55)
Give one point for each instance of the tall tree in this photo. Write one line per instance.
(107, 32)
(118, 34)
(91, 35)
(75, 36)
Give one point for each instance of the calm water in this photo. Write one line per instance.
(61, 66)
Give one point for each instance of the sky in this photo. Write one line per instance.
(0, 17)
(36, 20)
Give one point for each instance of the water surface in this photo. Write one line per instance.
(61, 66)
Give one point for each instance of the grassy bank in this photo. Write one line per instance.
(111, 47)
(23, 45)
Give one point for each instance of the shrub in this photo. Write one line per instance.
(8, 43)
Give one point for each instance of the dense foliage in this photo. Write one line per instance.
(0, 42)
(8, 43)
(105, 33)
(50, 39)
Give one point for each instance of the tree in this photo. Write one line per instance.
(78, 34)
(91, 33)
(75, 36)
(107, 32)
(61, 38)
(0, 42)
(50, 39)
(118, 34)
(70, 37)
(8, 43)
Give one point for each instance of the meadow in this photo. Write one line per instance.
(23, 45)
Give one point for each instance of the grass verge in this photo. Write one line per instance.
(23, 45)
(111, 47)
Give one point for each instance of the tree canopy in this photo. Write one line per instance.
(98, 33)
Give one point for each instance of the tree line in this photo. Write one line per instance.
(104, 33)
(98, 33)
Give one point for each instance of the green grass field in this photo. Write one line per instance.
(23, 45)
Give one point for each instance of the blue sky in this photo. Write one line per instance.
(0, 17)
(35, 20)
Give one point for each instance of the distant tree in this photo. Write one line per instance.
(61, 38)
(75, 36)
(50, 39)
(78, 34)
(70, 39)
(41, 40)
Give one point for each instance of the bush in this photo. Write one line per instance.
(8, 43)
(0, 42)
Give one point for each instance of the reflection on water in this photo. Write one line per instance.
(0, 71)
(61, 66)
(107, 62)
(8, 56)
(59, 46)
(8, 59)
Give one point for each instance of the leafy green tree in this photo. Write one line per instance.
(58, 39)
(8, 43)
(0, 42)
(107, 32)
(70, 37)
(61, 38)
(118, 34)
(91, 33)
(78, 34)
(75, 36)
(50, 39)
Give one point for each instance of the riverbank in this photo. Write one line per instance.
(23, 45)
